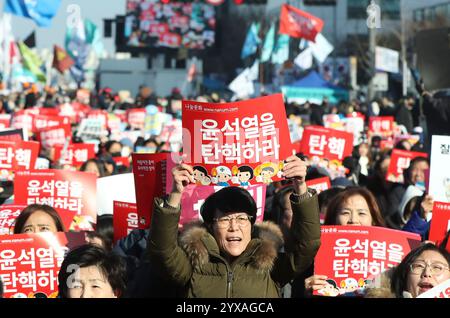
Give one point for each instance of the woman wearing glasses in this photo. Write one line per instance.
(422, 269)
(227, 255)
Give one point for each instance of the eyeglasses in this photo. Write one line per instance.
(435, 268)
(241, 220)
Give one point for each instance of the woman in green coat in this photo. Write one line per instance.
(227, 255)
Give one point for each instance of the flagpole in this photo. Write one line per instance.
(49, 69)
(261, 78)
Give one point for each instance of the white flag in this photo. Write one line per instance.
(321, 49)
(305, 59)
(254, 71)
(242, 85)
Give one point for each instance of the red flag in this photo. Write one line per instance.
(61, 60)
(299, 24)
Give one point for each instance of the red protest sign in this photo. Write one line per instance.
(252, 133)
(18, 155)
(75, 155)
(29, 263)
(71, 193)
(8, 214)
(400, 160)
(122, 161)
(5, 120)
(351, 255)
(194, 196)
(125, 219)
(75, 111)
(149, 172)
(381, 125)
(44, 121)
(299, 24)
(54, 136)
(136, 118)
(23, 119)
(326, 143)
(440, 223)
(319, 184)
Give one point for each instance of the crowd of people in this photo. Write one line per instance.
(227, 254)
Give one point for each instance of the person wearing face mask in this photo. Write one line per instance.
(228, 255)
(353, 206)
(114, 148)
(422, 269)
(37, 218)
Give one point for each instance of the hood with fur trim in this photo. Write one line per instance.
(197, 242)
(381, 286)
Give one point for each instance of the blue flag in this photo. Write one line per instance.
(251, 41)
(280, 53)
(41, 12)
(268, 44)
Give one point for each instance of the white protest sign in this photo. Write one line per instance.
(439, 172)
(114, 188)
(386, 60)
(440, 291)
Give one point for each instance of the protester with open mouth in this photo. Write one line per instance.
(422, 269)
(228, 255)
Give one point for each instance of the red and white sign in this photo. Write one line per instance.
(149, 172)
(29, 263)
(136, 118)
(18, 155)
(5, 120)
(440, 291)
(170, 39)
(400, 160)
(351, 255)
(299, 24)
(23, 119)
(319, 184)
(125, 219)
(8, 214)
(194, 197)
(440, 223)
(75, 155)
(44, 121)
(327, 143)
(55, 136)
(71, 193)
(252, 132)
(381, 125)
(75, 111)
(122, 161)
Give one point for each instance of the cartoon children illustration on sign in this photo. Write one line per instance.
(221, 176)
(242, 175)
(266, 171)
(352, 287)
(201, 176)
(330, 289)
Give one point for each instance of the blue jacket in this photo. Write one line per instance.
(418, 225)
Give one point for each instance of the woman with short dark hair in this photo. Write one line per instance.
(91, 272)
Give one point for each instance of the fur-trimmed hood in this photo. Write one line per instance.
(267, 239)
(381, 286)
